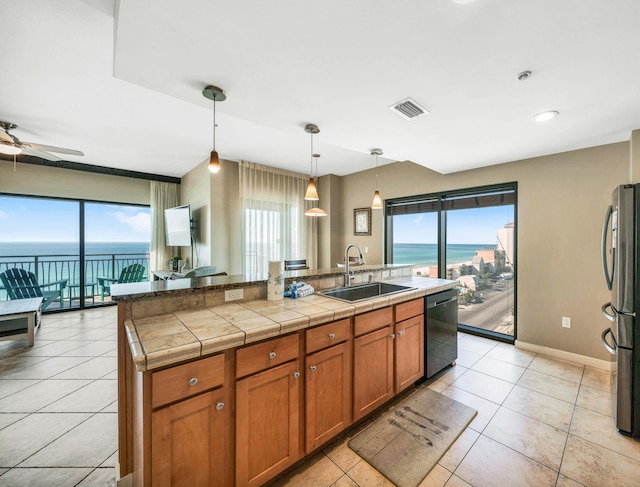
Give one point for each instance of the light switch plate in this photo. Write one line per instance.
(566, 322)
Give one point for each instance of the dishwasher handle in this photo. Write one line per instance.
(441, 298)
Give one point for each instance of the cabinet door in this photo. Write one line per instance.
(190, 442)
(409, 352)
(372, 371)
(328, 398)
(267, 423)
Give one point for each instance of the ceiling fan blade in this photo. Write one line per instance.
(5, 136)
(51, 148)
(30, 151)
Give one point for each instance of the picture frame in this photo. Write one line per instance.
(362, 221)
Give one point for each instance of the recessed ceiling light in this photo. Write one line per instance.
(545, 116)
(463, 2)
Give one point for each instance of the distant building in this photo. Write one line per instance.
(477, 264)
(507, 244)
(494, 258)
(469, 282)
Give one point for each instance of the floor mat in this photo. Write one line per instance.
(406, 442)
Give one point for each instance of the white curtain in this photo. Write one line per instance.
(273, 223)
(163, 196)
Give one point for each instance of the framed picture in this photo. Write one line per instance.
(362, 221)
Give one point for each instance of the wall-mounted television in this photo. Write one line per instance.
(177, 226)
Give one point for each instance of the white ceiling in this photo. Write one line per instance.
(126, 87)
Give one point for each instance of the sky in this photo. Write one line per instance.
(46, 220)
(472, 226)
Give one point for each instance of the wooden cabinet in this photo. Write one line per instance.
(190, 443)
(409, 344)
(190, 427)
(372, 371)
(328, 383)
(267, 411)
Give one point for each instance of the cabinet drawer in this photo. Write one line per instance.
(266, 354)
(182, 381)
(409, 309)
(326, 335)
(372, 320)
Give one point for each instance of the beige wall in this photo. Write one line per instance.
(561, 204)
(35, 180)
(215, 206)
(634, 157)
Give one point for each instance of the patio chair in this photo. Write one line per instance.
(22, 284)
(131, 273)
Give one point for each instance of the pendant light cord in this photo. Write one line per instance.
(214, 122)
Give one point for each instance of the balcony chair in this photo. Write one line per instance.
(131, 273)
(22, 284)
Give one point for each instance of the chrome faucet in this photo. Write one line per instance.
(347, 275)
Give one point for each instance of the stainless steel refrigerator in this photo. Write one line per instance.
(620, 260)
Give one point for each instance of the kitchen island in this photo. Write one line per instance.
(215, 392)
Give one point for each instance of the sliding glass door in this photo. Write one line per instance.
(467, 235)
(74, 248)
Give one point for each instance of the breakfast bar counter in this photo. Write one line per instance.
(161, 340)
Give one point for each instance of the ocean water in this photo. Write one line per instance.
(427, 254)
(66, 249)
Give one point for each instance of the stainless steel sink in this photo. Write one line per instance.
(364, 291)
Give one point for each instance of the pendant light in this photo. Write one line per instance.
(216, 94)
(315, 211)
(377, 201)
(312, 192)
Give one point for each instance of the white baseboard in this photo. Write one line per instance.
(570, 357)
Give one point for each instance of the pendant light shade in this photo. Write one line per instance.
(315, 212)
(214, 162)
(376, 204)
(377, 201)
(216, 94)
(312, 192)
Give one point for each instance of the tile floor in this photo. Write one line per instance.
(541, 421)
(58, 403)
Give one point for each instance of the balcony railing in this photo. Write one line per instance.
(51, 268)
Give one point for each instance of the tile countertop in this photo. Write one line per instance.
(162, 340)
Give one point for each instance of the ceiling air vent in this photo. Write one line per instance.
(408, 109)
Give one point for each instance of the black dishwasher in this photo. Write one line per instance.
(441, 331)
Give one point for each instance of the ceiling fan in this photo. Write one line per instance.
(11, 145)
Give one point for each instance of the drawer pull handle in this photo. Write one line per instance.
(392, 336)
(401, 333)
(313, 368)
(332, 336)
(272, 355)
(193, 381)
(296, 375)
(219, 406)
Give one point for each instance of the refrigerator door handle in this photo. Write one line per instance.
(609, 316)
(610, 348)
(608, 273)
